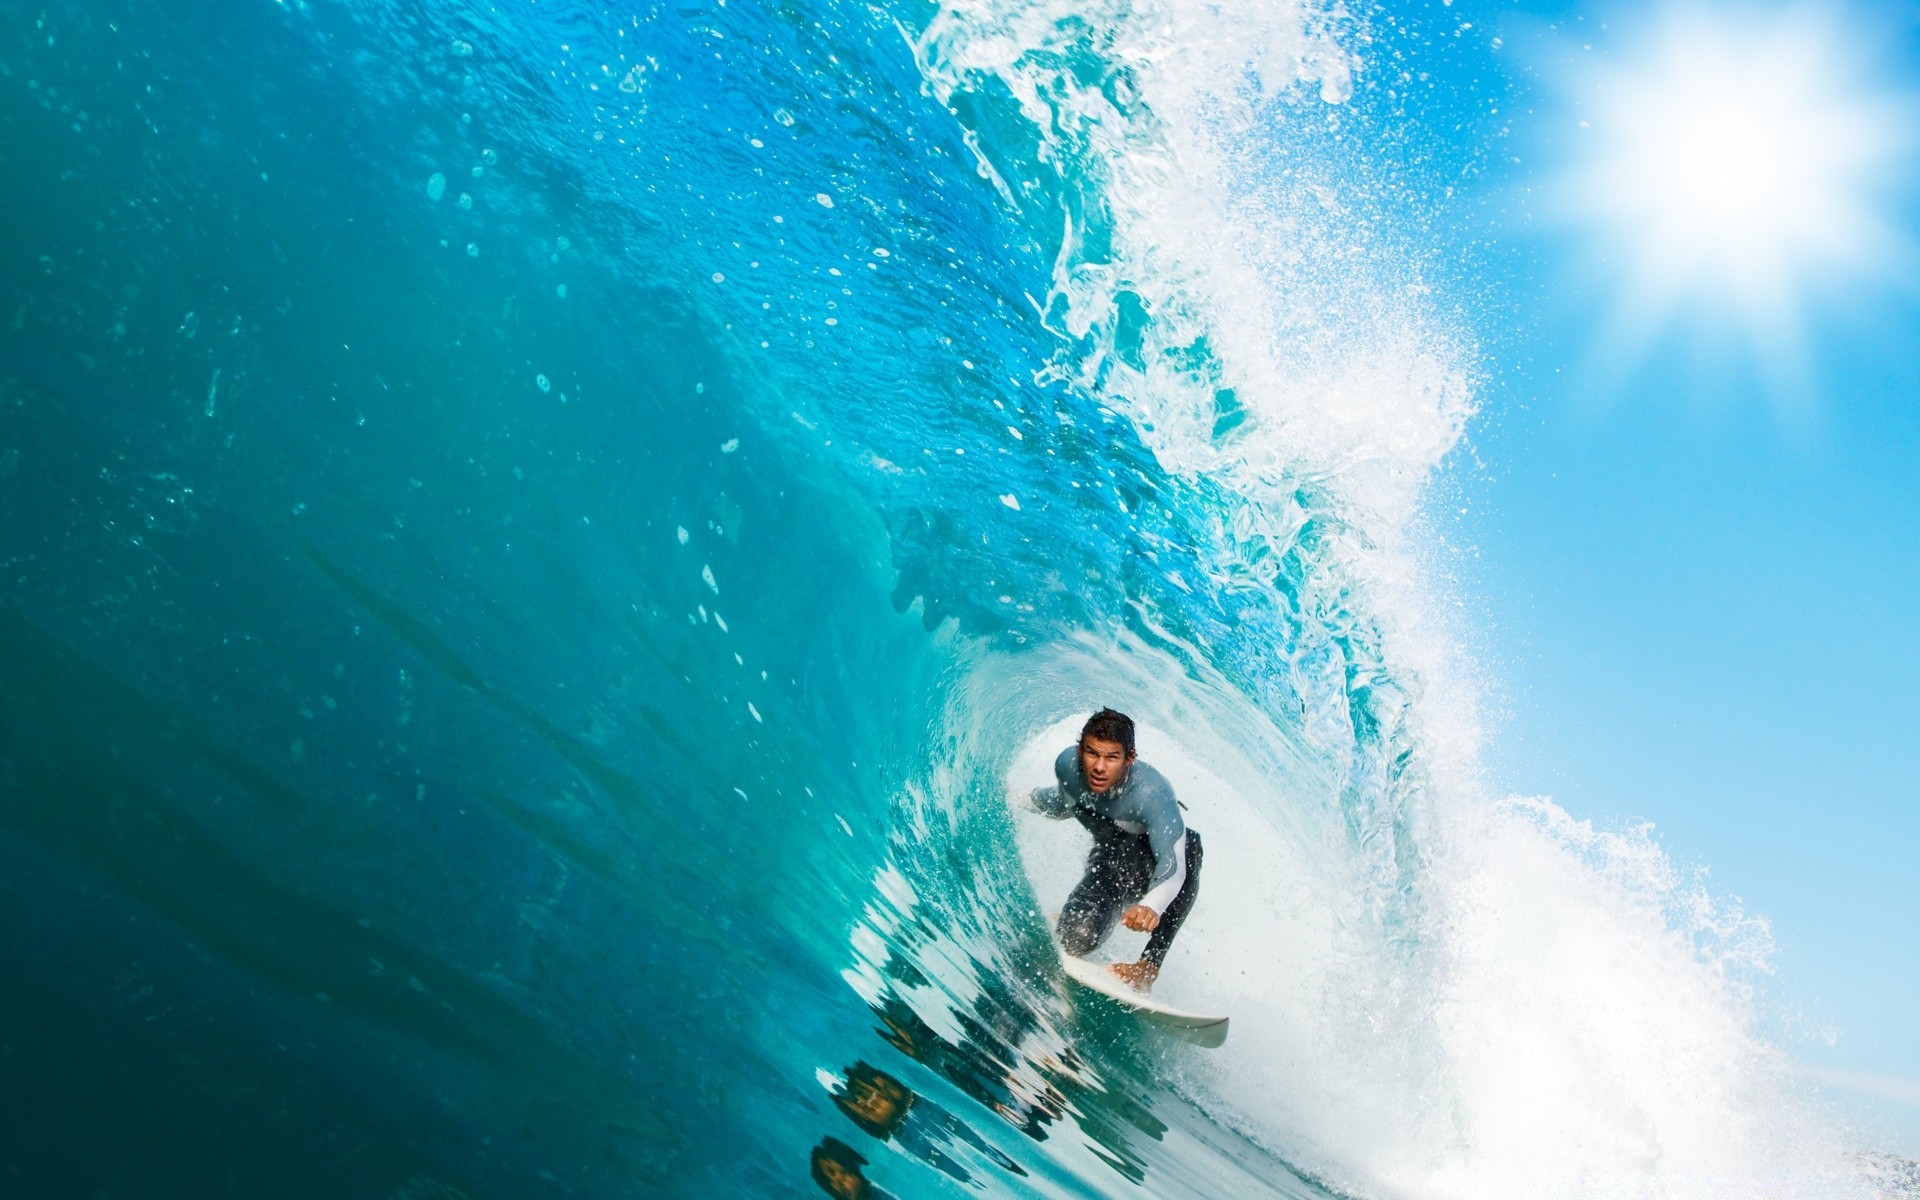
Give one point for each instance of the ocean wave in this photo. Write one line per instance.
(541, 541)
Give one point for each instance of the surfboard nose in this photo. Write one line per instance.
(1201, 1029)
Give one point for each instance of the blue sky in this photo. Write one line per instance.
(1698, 566)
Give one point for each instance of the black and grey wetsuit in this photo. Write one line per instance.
(1143, 853)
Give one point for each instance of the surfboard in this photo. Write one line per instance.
(1203, 1030)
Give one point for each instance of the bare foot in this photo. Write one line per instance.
(1137, 975)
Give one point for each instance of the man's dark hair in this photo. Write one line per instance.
(852, 1182)
(1109, 726)
(874, 1100)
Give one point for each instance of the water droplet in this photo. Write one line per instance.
(681, 532)
(466, 201)
(436, 186)
(488, 157)
(462, 49)
(719, 278)
(563, 243)
(543, 383)
(730, 445)
(560, 290)
(479, 171)
(823, 200)
(783, 116)
(473, 251)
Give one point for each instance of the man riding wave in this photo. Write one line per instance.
(1144, 858)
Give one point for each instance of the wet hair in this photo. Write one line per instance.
(1109, 726)
(842, 1156)
(866, 1082)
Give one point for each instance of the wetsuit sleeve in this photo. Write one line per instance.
(1055, 801)
(1170, 860)
(1167, 834)
(1048, 802)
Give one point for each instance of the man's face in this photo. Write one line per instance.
(1103, 762)
(880, 1101)
(839, 1182)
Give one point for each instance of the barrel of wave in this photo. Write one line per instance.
(1271, 939)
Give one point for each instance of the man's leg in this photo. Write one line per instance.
(1162, 939)
(1117, 874)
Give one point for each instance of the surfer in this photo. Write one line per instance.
(1144, 859)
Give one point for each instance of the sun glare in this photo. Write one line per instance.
(1731, 164)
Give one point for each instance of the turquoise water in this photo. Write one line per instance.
(536, 537)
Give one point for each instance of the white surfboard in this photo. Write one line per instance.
(1198, 1028)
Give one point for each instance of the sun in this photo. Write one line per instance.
(1728, 167)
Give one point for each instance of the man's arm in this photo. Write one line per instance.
(1167, 835)
(1049, 802)
(1169, 871)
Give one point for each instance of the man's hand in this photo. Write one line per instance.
(1141, 919)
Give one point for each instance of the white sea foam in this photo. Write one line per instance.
(1332, 347)
(1569, 1023)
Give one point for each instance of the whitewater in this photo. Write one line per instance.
(541, 540)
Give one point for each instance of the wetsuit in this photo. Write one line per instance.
(1143, 853)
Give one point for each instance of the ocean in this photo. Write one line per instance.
(540, 540)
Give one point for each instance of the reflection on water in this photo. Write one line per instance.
(841, 1172)
(887, 1109)
(977, 1023)
(980, 1058)
(1026, 1099)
